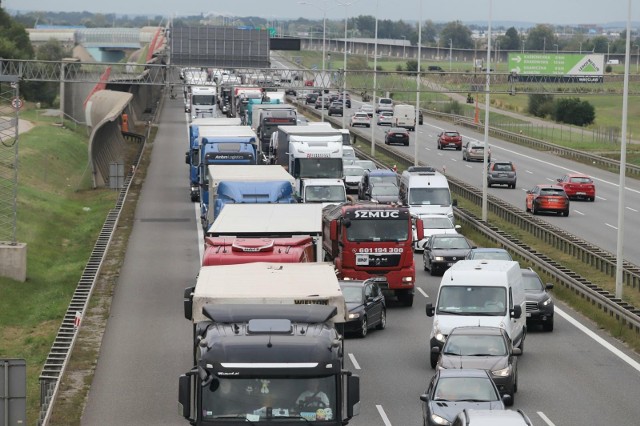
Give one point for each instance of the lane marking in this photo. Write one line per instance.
(529, 171)
(624, 357)
(385, 419)
(354, 362)
(633, 210)
(579, 212)
(611, 226)
(600, 198)
(423, 292)
(551, 180)
(545, 418)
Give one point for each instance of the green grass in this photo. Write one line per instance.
(59, 219)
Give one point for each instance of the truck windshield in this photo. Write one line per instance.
(429, 196)
(318, 168)
(378, 230)
(312, 398)
(325, 194)
(472, 300)
(203, 100)
(268, 128)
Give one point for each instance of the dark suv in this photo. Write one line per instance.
(311, 98)
(335, 108)
(501, 173)
(539, 303)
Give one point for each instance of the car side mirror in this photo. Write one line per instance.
(435, 350)
(516, 351)
(549, 286)
(424, 397)
(430, 310)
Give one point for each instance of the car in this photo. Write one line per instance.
(384, 193)
(367, 109)
(451, 391)
(540, 307)
(487, 348)
(450, 139)
(352, 177)
(335, 108)
(385, 118)
(290, 92)
(473, 417)
(322, 103)
(420, 117)
(474, 151)
(548, 198)
(365, 164)
(348, 153)
(487, 253)
(333, 97)
(433, 224)
(311, 98)
(366, 305)
(347, 100)
(441, 251)
(372, 177)
(501, 173)
(578, 186)
(360, 119)
(308, 83)
(396, 135)
(435, 68)
(384, 104)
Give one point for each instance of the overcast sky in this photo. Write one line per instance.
(535, 11)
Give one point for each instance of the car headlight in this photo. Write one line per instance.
(438, 258)
(440, 337)
(354, 315)
(546, 302)
(505, 372)
(407, 279)
(439, 420)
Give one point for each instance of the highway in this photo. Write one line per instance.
(566, 377)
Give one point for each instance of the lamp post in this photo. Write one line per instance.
(450, 52)
(485, 190)
(404, 46)
(637, 56)
(544, 45)
(607, 59)
(556, 47)
(375, 74)
(344, 73)
(416, 133)
(581, 48)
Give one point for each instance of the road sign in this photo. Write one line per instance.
(569, 64)
(16, 103)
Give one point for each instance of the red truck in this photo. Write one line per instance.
(370, 240)
(232, 250)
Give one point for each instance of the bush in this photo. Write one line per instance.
(608, 69)
(412, 66)
(453, 107)
(540, 105)
(399, 67)
(573, 111)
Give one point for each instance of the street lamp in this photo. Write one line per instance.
(404, 46)
(344, 75)
(418, 81)
(637, 56)
(544, 45)
(607, 61)
(450, 52)
(487, 103)
(556, 47)
(580, 47)
(375, 82)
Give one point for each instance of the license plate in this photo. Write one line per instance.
(502, 175)
(581, 193)
(450, 263)
(362, 259)
(528, 314)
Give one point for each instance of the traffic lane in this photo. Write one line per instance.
(147, 341)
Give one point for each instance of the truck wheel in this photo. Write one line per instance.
(406, 299)
(383, 320)
(434, 360)
(364, 327)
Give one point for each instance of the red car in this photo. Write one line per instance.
(547, 198)
(578, 186)
(450, 140)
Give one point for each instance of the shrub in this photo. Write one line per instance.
(540, 105)
(573, 111)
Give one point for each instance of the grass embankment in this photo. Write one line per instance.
(59, 218)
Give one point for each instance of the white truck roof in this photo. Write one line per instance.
(223, 131)
(247, 173)
(268, 219)
(268, 283)
(216, 121)
(313, 130)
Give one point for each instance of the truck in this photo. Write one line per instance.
(260, 343)
(369, 240)
(240, 98)
(271, 221)
(267, 118)
(232, 250)
(203, 101)
(254, 103)
(192, 157)
(248, 184)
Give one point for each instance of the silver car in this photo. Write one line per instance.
(501, 173)
(474, 151)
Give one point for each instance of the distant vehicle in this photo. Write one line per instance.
(384, 193)
(366, 108)
(347, 100)
(366, 305)
(374, 176)
(384, 104)
(308, 83)
(473, 417)
(396, 135)
(450, 139)
(360, 119)
(578, 186)
(441, 251)
(487, 348)
(474, 150)
(540, 308)
(420, 118)
(451, 391)
(335, 109)
(348, 153)
(501, 173)
(435, 68)
(352, 177)
(434, 224)
(322, 103)
(311, 98)
(385, 118)
(547, 198)
(404, 116)
(487, 253)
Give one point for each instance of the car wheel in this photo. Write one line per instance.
(488, 185)
(383, 320)
(592, 199)
(406, 298)
(566, 213)
(424, 265)
(434, 360)
(526, 207)
(406, 144)
(459, 149)
(432, 270)
(534, 210)
(364, 327)
(439, 147)
(513, 399)
(515, 384)
(548, 326)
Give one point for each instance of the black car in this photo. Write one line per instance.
(539, 303)
(311, 98)
(451, 391)
(366, 305)
(486, 348)
(335, 108)
(443, 250)
(420, 117)
(396, 135)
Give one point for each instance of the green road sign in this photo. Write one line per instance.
(569, 64)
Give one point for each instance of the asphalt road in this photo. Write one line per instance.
(566, 377)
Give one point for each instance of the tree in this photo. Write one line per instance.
(600, 44)
(573, 111)
(541, 37)
(14, 40)
(52, 50)
(458, 33)
(510, 40)
(540, 105)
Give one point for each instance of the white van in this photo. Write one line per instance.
(426, 191)
(479, 293)
(404, 116)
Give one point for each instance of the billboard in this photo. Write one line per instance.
(566, 67)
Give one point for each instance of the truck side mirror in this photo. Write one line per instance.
(333, 230)
(187, 157)
(516, 312)
(184, 395)
(188, 302)
(419, 229)
(353, 395)
(430, 310)
(455, 202)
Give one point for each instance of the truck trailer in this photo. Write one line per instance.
(268, 116)
(263, 334)
(369, 240)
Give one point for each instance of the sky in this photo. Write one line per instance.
(533, 11)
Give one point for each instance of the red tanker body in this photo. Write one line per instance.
(232, 250)
(370, 240)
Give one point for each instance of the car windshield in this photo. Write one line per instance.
(552, 192)
(452, 134)
(532, 282)
(430, 196)
(266, 398)
(385, 101)
(325, 194)
(465, 389)
(384, 190)
(580, 180)
(452, 242)
(384, 178)
(437, 222)
(502, 167)
(318, 168)
(378, 230)
(475, 345)
(496, 255)
(352, 294)
(472, 300)
(353, 171)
